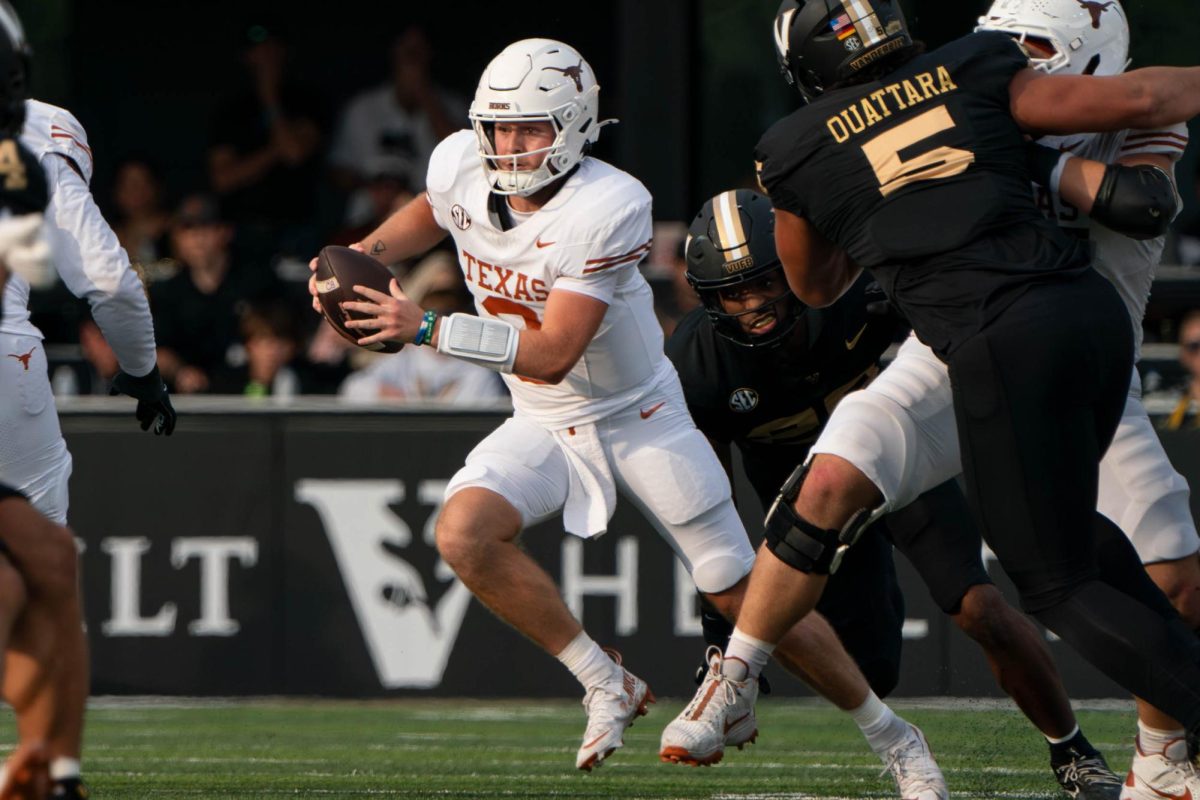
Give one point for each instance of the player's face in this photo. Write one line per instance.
(517, 137)
(758, 304)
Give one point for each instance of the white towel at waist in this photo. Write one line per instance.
(592, 494)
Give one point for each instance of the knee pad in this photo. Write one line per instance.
(718, 573)
(801, 545)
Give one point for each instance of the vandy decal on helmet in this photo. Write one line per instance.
(731, 242)
(537, 80)
(1082, 37)
(14, 71)
(821, 42)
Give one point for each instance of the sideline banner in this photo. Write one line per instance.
(293, 554)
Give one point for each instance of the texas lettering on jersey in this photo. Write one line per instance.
(503, 281)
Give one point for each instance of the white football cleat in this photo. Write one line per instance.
(1167, 773)
(912, 765)
(721, 713)
(611, 708)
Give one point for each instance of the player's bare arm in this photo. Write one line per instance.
(1144, 98)
(817, 271)
(409, 232)
(1082, 177)
(545, 354)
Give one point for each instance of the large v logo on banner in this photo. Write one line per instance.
(409, 637)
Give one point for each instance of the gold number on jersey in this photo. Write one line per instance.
(895, 173)
(11, 167)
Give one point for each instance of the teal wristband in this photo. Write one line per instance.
(425, 332)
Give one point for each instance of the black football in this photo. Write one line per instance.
(339, 270)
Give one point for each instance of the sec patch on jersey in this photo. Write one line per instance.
(339, 270)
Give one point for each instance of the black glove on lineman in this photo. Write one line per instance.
(154, 404)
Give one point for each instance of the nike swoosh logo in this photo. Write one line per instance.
(649, 412)
(729, 725)
(540, 244)
(852, 343)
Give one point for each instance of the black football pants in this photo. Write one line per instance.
(1038, 395)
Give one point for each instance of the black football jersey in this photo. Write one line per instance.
(773, 402)
(921, 178)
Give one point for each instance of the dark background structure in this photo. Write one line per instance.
(694, 82)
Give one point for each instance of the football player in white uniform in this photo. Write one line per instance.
(33, 455)
(549, 241)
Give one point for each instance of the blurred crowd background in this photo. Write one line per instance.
(233, 140)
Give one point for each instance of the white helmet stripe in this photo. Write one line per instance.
(865, 21)
(783, 24)
(729, 227)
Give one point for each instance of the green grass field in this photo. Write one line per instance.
(467, 748)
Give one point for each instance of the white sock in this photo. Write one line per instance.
(1066, 738)
(587, 662)
(883, 729)
(63, 768)
(1153, 740)
(745, 656)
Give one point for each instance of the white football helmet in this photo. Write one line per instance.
(537, 80)
(1084, 37)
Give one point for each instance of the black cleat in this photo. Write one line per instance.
(1086, 776)
(69, 789)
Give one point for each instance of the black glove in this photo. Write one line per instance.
(154, 404)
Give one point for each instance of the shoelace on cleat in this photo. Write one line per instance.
(1086, 771)
(895, 764)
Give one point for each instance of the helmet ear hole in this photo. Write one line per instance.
(1092, 65)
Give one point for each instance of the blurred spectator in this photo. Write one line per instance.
(422, 373)
(393, 128)
(196, 313)
(385, 192)
(1187, 412)
(91, 374)
(142, 222)
(264, 157)
(673, 295)
(275, 365)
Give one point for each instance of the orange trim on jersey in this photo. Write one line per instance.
(80, 144)
(1156, 135)
(636, 251)
(627, 260)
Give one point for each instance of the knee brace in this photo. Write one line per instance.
(801, 545)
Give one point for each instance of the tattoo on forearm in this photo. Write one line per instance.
(378, 247)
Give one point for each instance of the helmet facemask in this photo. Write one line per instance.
(1064, 35)
(571, 124)
(784, 306)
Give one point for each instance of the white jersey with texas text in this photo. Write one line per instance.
(589, 239)
(1128, 264)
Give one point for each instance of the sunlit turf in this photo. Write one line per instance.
(471, 748)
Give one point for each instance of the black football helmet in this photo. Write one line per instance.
(14, 72)
(731, 242)
(822, 42)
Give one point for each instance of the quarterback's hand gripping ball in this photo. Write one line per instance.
(339, 270)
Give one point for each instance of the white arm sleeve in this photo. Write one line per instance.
(95, 267)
